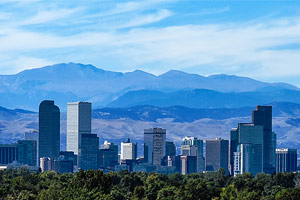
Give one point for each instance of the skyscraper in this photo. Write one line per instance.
(262, 116)
(286, 160)
(128, 150)
(188, 164)
(170, 149)
(29, 151)
(78, 122)
(216, 154)
(247, 144)
(233, 149)
(34, 135)
(154, 145)
(193, 141)
(49, 129)
(108, 155)
(88, 152)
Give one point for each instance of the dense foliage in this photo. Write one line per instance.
(92, 184)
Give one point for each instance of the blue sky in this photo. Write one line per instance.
(259, 39)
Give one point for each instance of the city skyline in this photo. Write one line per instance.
(252, 148)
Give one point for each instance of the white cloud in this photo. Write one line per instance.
(48, 16)
(23, 63)
(4, 15)
(245, 50)
(211, 11)
(135, 6)
(248, 48)
(141, 20)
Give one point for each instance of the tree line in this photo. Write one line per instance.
(94, 184)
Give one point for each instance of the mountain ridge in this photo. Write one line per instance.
(67, 82)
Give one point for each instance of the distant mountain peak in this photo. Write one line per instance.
(178, 73)
(139, 72)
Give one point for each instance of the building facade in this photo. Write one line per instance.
(154, 145)
(24, 153)
(216, 155)
(188, 164)
(78, 122)
(170, 149)
(45, 164)
(49, 129)
(286, 160)
(193, 141)
(108, 157)
(88, 152)
(247, 140)
(29, 152)
(128, 150)
(262, 116)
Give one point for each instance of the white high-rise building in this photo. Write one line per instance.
(128, 150)
(78, 122)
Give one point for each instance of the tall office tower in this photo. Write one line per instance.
(128, 150)
(29, 152)
(286, 160)
(88, 152)
(216, 155)
(108, 157)
(199, 143)
(232, 149)
(170, 149)
(188, 164)
(154, 145)
(78, 122)
(49, 129)
(247, 144)
(263, 116)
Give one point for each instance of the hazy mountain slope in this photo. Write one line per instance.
(117, 124)
(73, 82)
(201, 98)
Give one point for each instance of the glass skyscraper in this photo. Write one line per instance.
(88, 152)
(49, 129)
(247, 139)
(262, 116)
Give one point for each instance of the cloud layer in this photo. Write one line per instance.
(152, 35)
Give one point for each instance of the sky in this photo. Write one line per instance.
(258, 39)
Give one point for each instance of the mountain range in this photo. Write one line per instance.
(77, 82)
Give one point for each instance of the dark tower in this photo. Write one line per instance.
(49, 129)
(263, 116)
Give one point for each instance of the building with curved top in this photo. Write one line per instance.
(49, 129)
